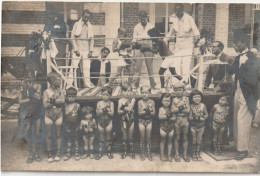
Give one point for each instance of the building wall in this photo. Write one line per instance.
(209, 18)
(130, 17)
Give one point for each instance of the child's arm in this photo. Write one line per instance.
(99, 110)
(153, 108)
(161, 115)
(174, 108)
(141, 111)
(190, 116)
(60, 99)
(22, 100)
(205, 113)
(45, 99)
(111, 110)
(186, 110)
(120, 111)
(115, 47)
(81, 125)
(130, 107)
(213, 111)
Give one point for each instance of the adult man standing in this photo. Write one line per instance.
(186, 32)
(217, 68)
(246, 68)
(83, 44)
(57, 28)
(143, 47)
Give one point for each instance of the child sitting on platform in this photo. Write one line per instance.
(72, 122)
(53, 101)
(219, 116)
(105, 113)
(167, 119)
(197, 117)
(146, 111)
(126, 111)
(181, 108)
(87, 127)
(124, 49)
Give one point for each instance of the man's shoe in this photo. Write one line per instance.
(241, 155)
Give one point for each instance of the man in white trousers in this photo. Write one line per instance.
(82, 48)
(186, 32)
(246, 68)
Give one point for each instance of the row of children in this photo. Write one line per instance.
(175, 115)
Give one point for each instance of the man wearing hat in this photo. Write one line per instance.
(246, 68)
(186, 33)
(143, 47)
(57, 28)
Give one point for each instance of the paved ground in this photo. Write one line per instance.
(13, 158)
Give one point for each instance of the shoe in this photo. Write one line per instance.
(30, 159)
(76, 156)
(241, 155)
(169, 158)
(67, 156)
(123, 156)
(83, 156)
(163, 158)
(131, 153)
(177, 158)
(110, 155)
(99, 156)
(91, 156)
(186, 158)
(37, 158)
(57, 157)
(50, 158)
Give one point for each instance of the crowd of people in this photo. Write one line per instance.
(178, 113)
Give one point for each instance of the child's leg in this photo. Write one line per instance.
(220, 135)
(37, 124)
(185, 142)
(101, 141)
(131, 140)
(194, 141)
(148, 140)
(142, 138)
(91, 140)
(118, 73)
(76, 138)
(215, 136)
(48, 125)
(85, 148)
(58, 132)
(170, 135)
(30, 143)
(108, 130)
(69, 141)
(177, 140)
(162, 142)
(199, 141)
(124, 144)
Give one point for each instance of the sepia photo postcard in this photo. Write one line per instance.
(130, 87)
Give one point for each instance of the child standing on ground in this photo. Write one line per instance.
(105, 114)
(197, 117)
(219, 116)
(53, 101)
(71, 122)
(126, 111)
(87, 127)
(167, 119)
(146, 111)
(181, 108)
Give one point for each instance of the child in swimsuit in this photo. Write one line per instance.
(146, 111)
(167, 119)
(105, 113)
(197, 117)
(181, 108)
(126, 111)
(87, 127)
(71, 122)
(219, 116)
(53, 101)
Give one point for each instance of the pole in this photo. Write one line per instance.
(200, 77)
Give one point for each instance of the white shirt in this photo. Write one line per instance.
(103, 66)
(141, 32)
(184, 28)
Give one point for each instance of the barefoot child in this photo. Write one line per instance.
(181, 108)
(219, 116)
(126, 111)
(53, 101)
(71, 118)
(197, 117)
(146, 111)
(105, 114)
(87, 127)
(167, 119)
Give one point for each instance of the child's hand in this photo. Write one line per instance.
(105, 110)
(147, 111)
(173, 118)
(52, 101)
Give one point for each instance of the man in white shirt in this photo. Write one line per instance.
(143, 47)
(186, 32)
(83, 47)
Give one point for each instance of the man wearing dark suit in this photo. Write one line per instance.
(100, 68)
(217, 70)
(246, 68)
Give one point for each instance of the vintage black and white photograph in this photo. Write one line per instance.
(130, 87)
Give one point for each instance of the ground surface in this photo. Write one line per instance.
(13, 158)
